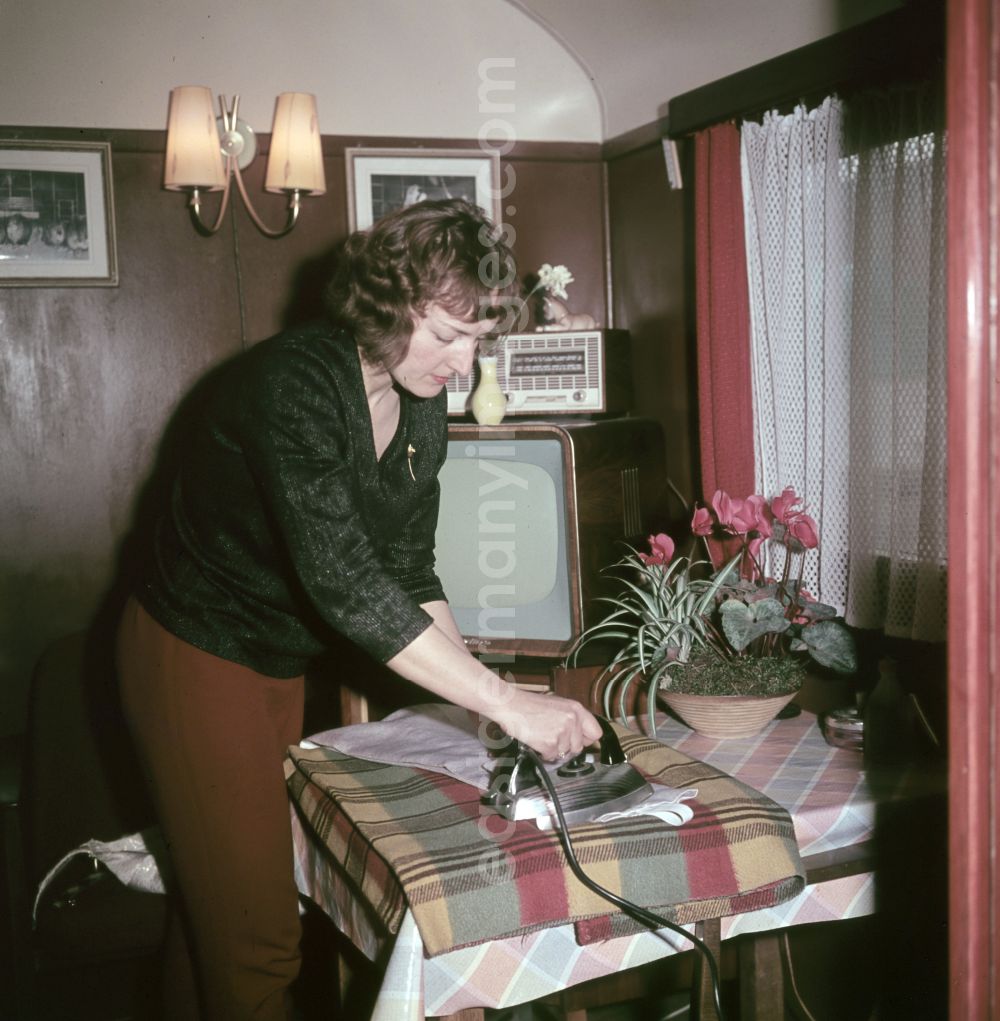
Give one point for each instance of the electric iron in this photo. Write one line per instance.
(586, 789)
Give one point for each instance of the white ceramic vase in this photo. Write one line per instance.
(489, 403)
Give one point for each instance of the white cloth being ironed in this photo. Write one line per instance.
(446, 739)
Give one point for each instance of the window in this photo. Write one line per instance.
(845, 225)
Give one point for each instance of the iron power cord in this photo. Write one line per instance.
(640, 914)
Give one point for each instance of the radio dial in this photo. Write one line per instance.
(578, 395)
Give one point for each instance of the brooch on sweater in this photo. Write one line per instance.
(410, 451)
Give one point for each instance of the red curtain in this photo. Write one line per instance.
(723, 316)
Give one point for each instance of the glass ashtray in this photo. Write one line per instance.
(844, 728)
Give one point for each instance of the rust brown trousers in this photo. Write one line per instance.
(212, 735)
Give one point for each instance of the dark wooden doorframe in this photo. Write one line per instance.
(974, 507)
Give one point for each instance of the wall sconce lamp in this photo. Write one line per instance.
(205, 153)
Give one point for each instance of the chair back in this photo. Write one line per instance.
(82, 779)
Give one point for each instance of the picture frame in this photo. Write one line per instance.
(382, 180)
(57, 215)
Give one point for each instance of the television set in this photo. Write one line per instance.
(531, 515)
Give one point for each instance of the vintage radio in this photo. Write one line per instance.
(572, 372)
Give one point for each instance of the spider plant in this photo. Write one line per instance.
(661, 614)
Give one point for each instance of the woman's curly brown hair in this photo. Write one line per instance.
(443, 252)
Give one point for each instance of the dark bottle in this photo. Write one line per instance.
(888, 718)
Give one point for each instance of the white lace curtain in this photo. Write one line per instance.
(844, 218)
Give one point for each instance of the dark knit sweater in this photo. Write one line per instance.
(284, 529)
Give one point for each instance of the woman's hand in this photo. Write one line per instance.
(438, 660)
(555, 727)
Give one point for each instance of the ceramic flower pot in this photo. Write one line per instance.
(724, 716)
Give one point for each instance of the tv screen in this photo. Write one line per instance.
(529, 515)
(502, 542)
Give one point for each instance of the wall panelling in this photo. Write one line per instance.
(91, 378)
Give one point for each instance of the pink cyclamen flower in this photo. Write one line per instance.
(757, 507)
(739, 516)
(662, 547)
(728, 511)
(786, 506)
(722, 504)
(805, 529)
(702, 522)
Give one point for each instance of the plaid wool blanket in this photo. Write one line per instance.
(408, 837)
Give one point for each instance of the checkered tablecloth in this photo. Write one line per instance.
(825, 790)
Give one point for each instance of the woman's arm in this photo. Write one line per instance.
(445, 620)
(438, 661)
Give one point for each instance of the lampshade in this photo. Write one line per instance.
(194, 156)
(295, 160)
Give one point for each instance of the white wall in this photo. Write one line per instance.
(642, 53)
(378, 67)
(584, 70)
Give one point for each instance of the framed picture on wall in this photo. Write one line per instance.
(382, 180)
(57, 215)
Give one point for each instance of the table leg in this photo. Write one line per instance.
(762, 978)
(344, 976)
(702, 997)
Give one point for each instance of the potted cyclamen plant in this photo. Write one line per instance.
(720, 642)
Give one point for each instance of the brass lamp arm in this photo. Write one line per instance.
(194, 205)
(293, 208)
(294, 204)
